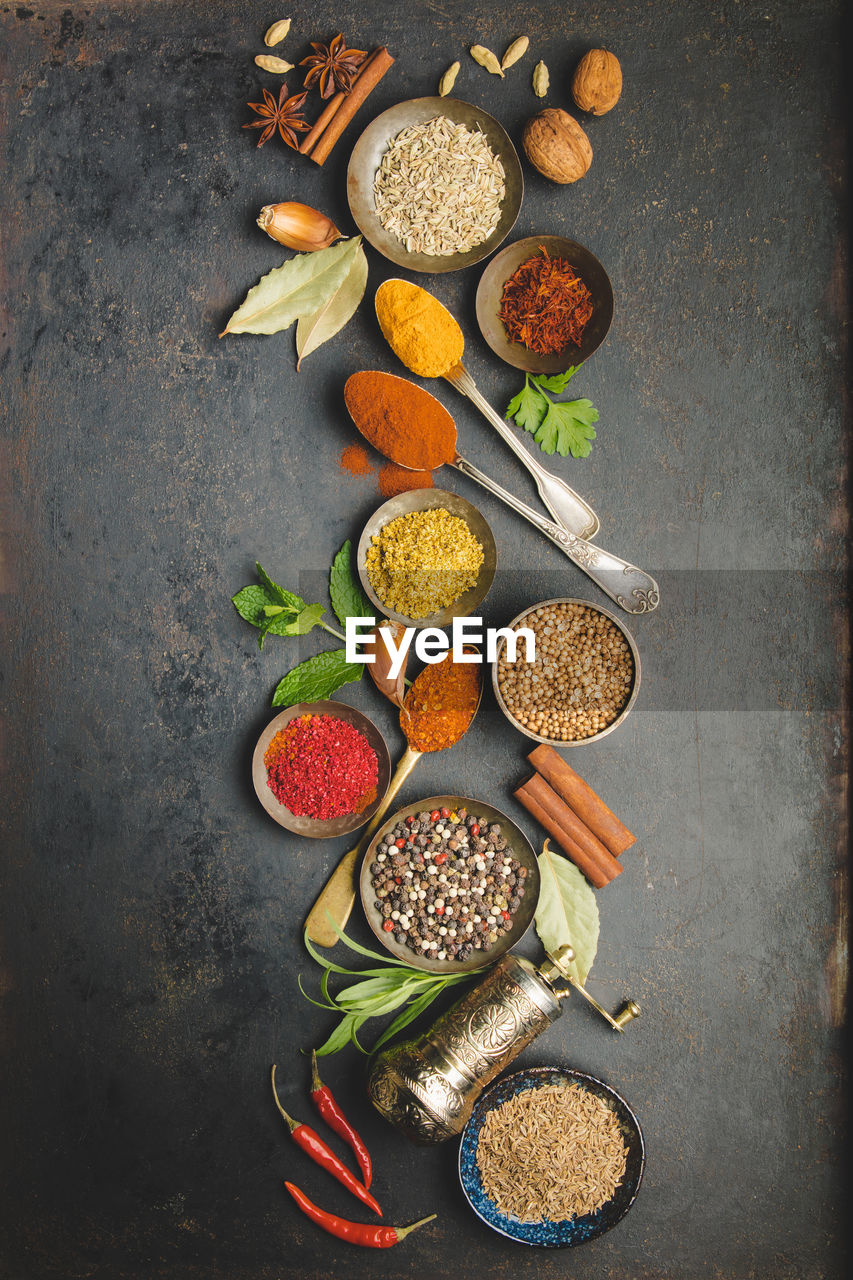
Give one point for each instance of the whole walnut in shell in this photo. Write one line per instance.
(557, 145)
(597, 82)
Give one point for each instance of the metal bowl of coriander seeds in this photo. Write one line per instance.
(583, 682)
(426, 557)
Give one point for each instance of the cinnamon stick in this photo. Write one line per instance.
(368, 78)
(573, 836)
(579, 795)
(320, 123)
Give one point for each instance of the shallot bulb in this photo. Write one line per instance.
(298, 226)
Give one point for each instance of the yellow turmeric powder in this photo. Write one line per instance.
(420, 331)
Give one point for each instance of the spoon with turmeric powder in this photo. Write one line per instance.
(426, 337)
(436, 712)
(415, 430)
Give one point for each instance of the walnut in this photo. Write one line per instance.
(597, 82)
(557, 145)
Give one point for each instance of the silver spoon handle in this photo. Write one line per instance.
(631, 588)
(566, 506)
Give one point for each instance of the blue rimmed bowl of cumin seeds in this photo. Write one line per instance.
(551, 1157)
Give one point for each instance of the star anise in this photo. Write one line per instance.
(333, 65)
(285, 115)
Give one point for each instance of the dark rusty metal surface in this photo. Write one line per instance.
(151, 911)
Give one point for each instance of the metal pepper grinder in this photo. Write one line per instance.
(427, 1087)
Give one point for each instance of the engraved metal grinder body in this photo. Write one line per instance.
(427, 1087)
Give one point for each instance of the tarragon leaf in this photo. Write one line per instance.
(555, 381)
(348, 598)
(567, 427)
(316, 678)
(528, 407)
(338, 309)
(300, 287)
(567, 911)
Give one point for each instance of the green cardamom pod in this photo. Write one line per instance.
(486, 59)
(541, 79)
(277, 32)
(278, 66)
(448, 80)
(516, 50)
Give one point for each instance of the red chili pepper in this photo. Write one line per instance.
(336, 1120)
(373, 1237)
(323, 1155)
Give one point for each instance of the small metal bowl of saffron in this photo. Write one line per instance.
(551, 1233)
(318, 828)
(490, 294)
(431, 500)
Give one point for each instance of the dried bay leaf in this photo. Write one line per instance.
(567, 911)
(299, 287)
(338, 309)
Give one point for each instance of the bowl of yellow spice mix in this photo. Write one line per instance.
(426, 557)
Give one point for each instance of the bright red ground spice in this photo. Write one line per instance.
(356, 460)
(394, 480)
(321, 767)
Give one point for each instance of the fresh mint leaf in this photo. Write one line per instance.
(528, 407)
(288, 623)
(556, 381)
(277, 594)
(567, 427)
(316, 678)
(348, 598)
(252, 603)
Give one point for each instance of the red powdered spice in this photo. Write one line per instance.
(394, 480)
(355, 460)
(545, 304)
(321, 767)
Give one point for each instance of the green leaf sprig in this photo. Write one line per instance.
(279, 612)
(375, 992)
(564, 426)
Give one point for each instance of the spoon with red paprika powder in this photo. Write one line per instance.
(415, 430)
(437, 710)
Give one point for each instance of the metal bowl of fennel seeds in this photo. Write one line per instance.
(551, 1141)
(366, 162)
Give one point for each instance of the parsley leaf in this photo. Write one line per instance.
(348, 598)
(567, 427)
(528, 407)
(557, 381)
(316, 678)
(557, 426)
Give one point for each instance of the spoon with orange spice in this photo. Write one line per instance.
(424, 335)
(435, 713)
(415, 430)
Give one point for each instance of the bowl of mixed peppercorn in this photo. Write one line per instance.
(449, 884)
(544, 303)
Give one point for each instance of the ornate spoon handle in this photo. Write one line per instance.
(566, 506)
(631, 588)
